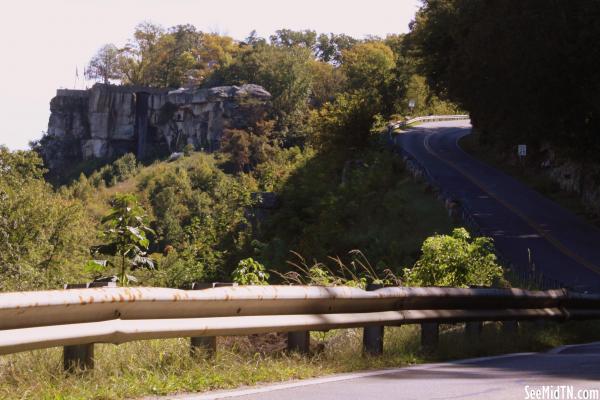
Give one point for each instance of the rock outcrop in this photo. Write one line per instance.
(575, 176)
(107, 121)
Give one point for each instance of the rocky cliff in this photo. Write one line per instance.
(107, 121)
(573, 175)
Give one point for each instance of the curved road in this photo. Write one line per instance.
(521, 221)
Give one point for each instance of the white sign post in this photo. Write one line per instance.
(522, 150)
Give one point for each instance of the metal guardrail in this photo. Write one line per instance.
(34, 320)
(429, 118)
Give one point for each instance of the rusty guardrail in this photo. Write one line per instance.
(55, 307)
(34, 320)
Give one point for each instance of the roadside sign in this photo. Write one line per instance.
(412, 103)
(522, 150)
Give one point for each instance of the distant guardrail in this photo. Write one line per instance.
(35, 320)
(429, 118)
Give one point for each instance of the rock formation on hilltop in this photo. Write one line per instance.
(107, 121)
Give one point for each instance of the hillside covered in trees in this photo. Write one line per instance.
(317, 154)
(310, 174)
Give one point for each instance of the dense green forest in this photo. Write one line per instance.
(337, 185)
(526, 71)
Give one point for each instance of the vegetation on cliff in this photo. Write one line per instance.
(301, 69)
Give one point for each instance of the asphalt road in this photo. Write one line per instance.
(503, 377)
(563, 247)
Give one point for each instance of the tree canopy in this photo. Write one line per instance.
(41, 231)
(105, 64)
(524, 70)
(306, 72)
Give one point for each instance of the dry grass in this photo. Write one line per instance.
(165, 366)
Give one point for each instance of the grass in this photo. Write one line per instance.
(529, 174)
(159, 367)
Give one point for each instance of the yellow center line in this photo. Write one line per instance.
(550, 238)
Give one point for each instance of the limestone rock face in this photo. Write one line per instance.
(107, 121)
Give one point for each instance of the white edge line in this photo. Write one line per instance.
(329, 379)
(558, 350)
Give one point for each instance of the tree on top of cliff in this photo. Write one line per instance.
(174, 57)
(105, 64)
(290, 38)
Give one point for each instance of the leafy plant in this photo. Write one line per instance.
(250, 272)
(181, 269)
(126, 242)
(455, 260)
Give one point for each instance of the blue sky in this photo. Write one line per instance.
(44, 41)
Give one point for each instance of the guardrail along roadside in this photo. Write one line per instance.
(82, 317)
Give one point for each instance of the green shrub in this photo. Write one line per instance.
(179, 270)
(455, 260)
(188, 149)
(334, 202)
(124, 167)
(200, 211)
(250, 272)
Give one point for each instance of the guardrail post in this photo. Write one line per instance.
(299, 342)
(373, 335)
(430, 335)
(206, 345)
(473, 330)
(78, 357)
(510, 327)
(540, 323)
(81, 356)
